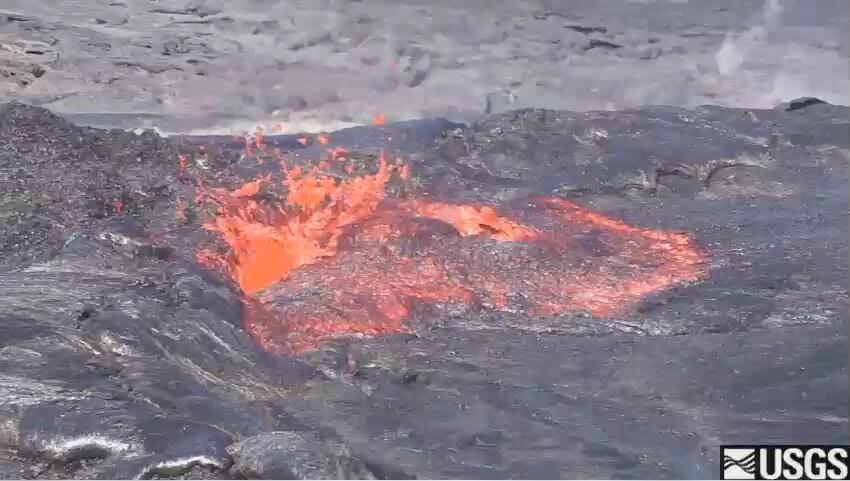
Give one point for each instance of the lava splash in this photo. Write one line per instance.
(338, 257)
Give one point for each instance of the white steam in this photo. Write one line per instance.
(736, 49)
(771, 62)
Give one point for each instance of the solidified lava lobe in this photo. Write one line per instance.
(339, 258)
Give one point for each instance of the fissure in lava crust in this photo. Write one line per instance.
(339, 257)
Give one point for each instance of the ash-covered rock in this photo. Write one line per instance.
(122, 357)
(217, 65)
(295, 455)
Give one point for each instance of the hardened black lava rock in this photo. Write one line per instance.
(121, 357)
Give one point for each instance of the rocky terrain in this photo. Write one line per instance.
(225, 65)
(690, 292)
(122, 356)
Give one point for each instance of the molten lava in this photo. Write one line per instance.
(338, 257)
(267, 243)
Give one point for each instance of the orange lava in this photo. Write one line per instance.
(337, 257)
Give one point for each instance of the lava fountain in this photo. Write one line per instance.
(336, 256)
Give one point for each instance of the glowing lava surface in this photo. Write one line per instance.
(337, 256)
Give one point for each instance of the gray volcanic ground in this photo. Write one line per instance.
(225, 65)
(124, 355)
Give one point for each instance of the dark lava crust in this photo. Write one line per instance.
(120, 357)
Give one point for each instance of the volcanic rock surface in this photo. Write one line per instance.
(320, 64)
(124, 356)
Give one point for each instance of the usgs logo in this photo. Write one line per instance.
(784, 462)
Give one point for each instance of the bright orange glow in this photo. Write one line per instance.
(473, 220)
(348, 260)
(306, 228)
